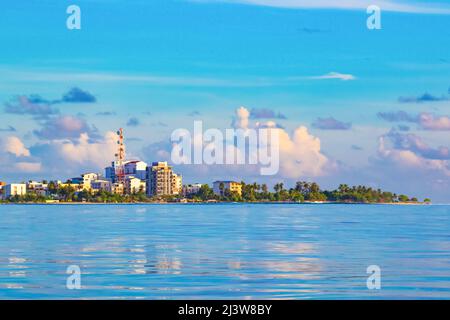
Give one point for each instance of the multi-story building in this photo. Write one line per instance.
(101, 185)
(134, 168)
(161, 180)
(191, 189)
(88, 178)
(177, 184)
(85, 180)
(78, 187)
(110, 173)
(134, 185)
(38, 188)
(117, 188)
(15, 189)
(220, 187)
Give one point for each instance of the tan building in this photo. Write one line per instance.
(76, 186)
(177, 184)
(162, 181)
(219, 187)
(117, 188)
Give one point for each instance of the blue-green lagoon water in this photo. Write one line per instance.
(224, 251)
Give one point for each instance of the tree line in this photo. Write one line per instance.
(303, 191)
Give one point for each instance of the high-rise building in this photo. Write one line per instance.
(161, 180)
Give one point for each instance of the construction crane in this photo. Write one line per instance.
(120, 158)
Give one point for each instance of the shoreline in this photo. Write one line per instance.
(220, 203)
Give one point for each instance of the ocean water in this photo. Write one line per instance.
(224, 251)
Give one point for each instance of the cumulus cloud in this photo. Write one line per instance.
(425, 120)
(264, 113)
(300, 153)
(241, 118)
(409, 153)
(64, 127)
(15, 146)
(429, 121)
(331, 124)
(417, 145)
(74, 156)
(16, 158)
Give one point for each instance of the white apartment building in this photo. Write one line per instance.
(39, 188)
(134, 185)
(101, 185)
(191, 189)
(15, 189)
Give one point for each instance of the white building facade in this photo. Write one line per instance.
(15, 189)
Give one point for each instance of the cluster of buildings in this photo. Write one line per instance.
(124, 177)
(157, 179)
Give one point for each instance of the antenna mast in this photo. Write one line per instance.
(120, 158)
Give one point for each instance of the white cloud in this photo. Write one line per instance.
(408, 160)
(430, 121)
(386, 5)
(15, 146)
(83, 152)
(335, 75)
(241, 119)
(300, 154)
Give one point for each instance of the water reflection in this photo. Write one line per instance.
(216, 252)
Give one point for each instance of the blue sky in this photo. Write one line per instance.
(166, 63)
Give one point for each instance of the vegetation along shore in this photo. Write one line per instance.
(301, 192)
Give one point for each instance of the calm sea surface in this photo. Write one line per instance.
(232, 251)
